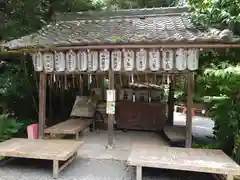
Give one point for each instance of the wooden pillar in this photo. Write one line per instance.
(190, 84)
(110, 116)
(1, 45)
(42, 104)
(171, 100)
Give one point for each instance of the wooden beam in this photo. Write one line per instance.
(171, 100)
(173, 71)
(60, 47)
(111, 116)
(42, 104)
(190, 84)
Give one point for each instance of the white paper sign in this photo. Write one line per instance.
(92, 61)
(104, 60)
(71, 61)
(111, 95)
(154, 60)
(59, 61)
(167, 59)
(181, 59)
(48, 62)
(116, 60)
(141, 60)
(111, 98)
(82, 61)
(128, 58)
(193, 55)
(110, 107)
(37, 61)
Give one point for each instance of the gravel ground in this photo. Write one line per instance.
(89, 169)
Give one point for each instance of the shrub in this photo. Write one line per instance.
(8, 127)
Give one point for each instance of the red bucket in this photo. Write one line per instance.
(32, 131)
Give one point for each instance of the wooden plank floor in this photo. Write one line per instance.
(70, 126)
(39, 149)
(199, 160)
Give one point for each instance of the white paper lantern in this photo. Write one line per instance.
(116, 60)
(59, 58)
(37, 61)
(181, 59)
(141, 60)
(71, 61)
(104, 60)
(154, 60)
(92, 61)
(193, 55)
(82, 61)
(48, 62)
(167, 59)
(128, 60)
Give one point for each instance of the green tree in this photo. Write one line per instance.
(218, 13)
(22, 17)
(219, 74)
(128, 4)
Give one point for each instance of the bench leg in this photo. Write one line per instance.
(55, 168)
(77, 136)
(139, 172)
(94, 126)
(230, 177)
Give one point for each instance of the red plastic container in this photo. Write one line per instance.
(32, 131)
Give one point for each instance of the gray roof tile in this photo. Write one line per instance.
(147, 28)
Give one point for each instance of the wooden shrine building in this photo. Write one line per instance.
(154, 41)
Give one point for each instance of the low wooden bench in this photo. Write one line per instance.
(198, 160)
(70, 126)
(175, 135)
(55, 150)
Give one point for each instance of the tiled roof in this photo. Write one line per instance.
(165, 25)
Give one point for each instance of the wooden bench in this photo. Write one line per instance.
(198, 160)
(55, 150)
(175, 135)
(70, 126)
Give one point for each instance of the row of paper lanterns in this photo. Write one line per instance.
(117, 60)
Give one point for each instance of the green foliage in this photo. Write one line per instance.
(8, 127)
(225, 111)
(128, 4)
(206, 146)
(220, 72)
(22, 132)
(218, 13)
(26, 16)
(236, 150)
(18, 88)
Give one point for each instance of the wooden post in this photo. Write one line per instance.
(139, 172)
(110, 116)
(42, 104)
(1, 45)
(55, 169)
(190, 83)
(171, 100)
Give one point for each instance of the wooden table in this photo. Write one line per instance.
(186, 159)
(56, 150)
